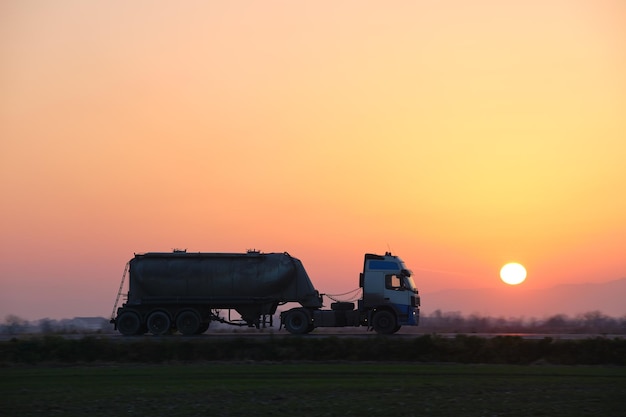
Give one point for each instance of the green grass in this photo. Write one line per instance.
(313, 389)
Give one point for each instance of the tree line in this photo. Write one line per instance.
(592, 322)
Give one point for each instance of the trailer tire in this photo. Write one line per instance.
(298, 322)
(188, 323)
(385, 322)
(128, 323)
(159, 323)
(203, 328)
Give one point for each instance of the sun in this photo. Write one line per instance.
(513, 273)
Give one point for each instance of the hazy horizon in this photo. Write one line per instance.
(446, 301)
(458, 135)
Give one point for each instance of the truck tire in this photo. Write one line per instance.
(384, 322)
(159, 323)
(128, 323)
(297, 322)
(188, 323)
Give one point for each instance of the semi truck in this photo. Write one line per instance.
(184, 292)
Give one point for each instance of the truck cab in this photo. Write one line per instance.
(390, 300)
(388, 287)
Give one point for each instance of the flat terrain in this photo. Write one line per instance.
(312, 389)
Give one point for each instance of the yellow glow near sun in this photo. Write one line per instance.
(513, 273)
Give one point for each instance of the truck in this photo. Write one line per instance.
(184, 292)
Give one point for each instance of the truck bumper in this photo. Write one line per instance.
(407, 315)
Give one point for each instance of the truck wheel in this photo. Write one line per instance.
(128, 323)
(297, 322)
(159, 323)
(385, 322)
(188, 323)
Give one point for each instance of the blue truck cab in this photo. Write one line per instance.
(389, 301)
(390, 297)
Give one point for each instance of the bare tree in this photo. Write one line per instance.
(14, 324)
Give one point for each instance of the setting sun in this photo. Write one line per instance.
(513, 273)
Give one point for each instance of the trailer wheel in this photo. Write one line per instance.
(385, 322)
(128, 323)
(203, 328)
(159, 323)
(188, 323)
(297, 322)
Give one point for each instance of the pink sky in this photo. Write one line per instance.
(459, 135)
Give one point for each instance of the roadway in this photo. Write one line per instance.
(316, 334)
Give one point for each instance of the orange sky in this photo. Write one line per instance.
(460, 135)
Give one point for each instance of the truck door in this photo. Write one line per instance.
(395, 291)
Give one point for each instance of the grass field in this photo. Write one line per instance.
(313, 389)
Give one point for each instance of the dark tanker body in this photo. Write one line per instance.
(185, 292)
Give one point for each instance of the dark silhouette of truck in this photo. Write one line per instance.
(185, 292)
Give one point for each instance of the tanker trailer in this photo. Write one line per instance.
(186, 291)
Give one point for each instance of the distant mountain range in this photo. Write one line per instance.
(609, 298)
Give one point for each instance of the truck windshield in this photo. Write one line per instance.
(409, 283)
